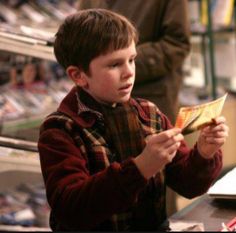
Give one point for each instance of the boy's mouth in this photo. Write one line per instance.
(125, 87)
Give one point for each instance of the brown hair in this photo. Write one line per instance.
(90, 33)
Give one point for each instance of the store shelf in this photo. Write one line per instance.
(18, 160)
(23, 229)
(18, 144)
(18, 155)
(216, 31)
(27, 48)
(19, 164)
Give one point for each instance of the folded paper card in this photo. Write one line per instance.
(192, 118)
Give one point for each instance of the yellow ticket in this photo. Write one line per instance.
(192, 118)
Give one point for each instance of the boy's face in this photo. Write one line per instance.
(111, 76)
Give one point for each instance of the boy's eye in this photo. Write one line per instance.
(117, 64)
(114, 65)
(132, 60)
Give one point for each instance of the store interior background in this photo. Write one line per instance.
(210, 71)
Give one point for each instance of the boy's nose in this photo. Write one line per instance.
(128, 71)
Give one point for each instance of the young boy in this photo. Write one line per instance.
(106, 158)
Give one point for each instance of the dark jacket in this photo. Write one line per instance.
(87, 191)
(164, 43)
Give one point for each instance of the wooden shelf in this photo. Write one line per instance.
(19, 164)
(18, 155)
(23, 229)
(28, 49)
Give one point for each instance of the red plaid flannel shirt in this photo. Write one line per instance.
(86, 191)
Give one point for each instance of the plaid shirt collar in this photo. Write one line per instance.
(87, 104)
(85, 110)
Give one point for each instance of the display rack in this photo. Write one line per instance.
(20, 162)
(19, 157)
(207, 38)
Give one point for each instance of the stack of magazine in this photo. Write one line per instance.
(32, 88)
(38, 12)
(24, 206)
(28, 27)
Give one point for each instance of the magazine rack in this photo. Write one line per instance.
(207, 37)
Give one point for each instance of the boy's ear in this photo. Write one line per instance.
(77, 76)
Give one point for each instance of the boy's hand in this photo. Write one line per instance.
(160, 149)
(212, 137)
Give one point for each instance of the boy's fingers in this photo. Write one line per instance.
(216, 128)
(213, 122)
(168, 134)
(218, 120)
(174, 140)
(216, 141)
(173, 148)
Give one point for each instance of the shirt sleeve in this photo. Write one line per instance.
(78, 199)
